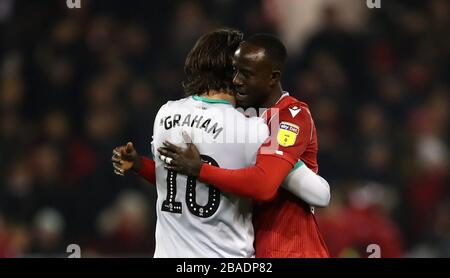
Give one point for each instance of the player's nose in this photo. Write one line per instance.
(237, 81)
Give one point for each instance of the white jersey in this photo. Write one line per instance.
(195, 219)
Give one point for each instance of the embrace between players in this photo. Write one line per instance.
(219, 196)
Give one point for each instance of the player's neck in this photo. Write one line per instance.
(220, 95)
(273, 97)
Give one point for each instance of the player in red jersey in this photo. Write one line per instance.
(285, 226)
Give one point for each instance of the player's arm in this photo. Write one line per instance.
(308, 186)
(262, 181)
(294, 133)
(125, 158)
(259, 182)
(147, 169)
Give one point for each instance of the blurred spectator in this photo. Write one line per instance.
(48, 230)
(350, 229)
(126, 226)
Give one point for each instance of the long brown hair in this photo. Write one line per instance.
(208, 65)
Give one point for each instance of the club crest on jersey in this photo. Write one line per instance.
(287, 134)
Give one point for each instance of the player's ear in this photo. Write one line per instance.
(275, 77)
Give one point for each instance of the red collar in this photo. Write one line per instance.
(283, 96)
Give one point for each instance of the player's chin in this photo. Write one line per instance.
(242, 100)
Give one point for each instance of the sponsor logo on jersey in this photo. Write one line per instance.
(287, 134)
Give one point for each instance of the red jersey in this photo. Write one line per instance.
(285, 226)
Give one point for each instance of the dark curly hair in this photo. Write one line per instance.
(208, 65)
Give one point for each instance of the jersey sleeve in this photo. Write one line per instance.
(259, 182)
(290, 134)
(147, 170)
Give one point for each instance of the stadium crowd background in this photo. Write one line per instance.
(76, 83)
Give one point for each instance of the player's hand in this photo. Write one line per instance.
(184, 161)
(125, 158)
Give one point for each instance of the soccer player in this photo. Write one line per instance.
(194, 219)
(285, 226)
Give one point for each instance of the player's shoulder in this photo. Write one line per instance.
(294, 109)
(255, 120)
(175, 103)
(240, 117)
(292, 102)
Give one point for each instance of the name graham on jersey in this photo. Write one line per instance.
(196, 121)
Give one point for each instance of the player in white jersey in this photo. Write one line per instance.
(194, 219)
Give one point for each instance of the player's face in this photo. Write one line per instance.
(252, 76)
